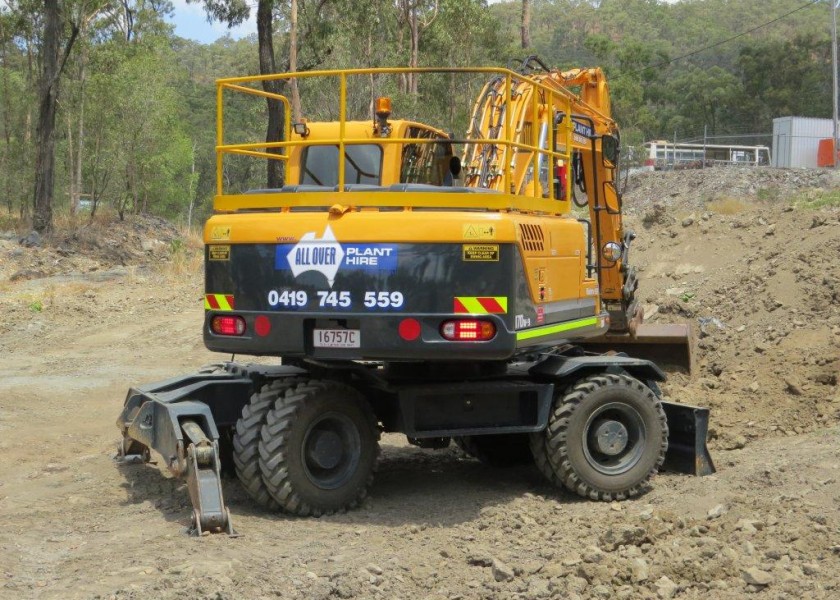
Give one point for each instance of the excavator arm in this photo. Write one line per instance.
(569, 113)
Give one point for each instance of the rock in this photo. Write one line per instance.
(749, 525)
(374, 569)
(151, 245)
(793, 387)
(623, 535)
(665, 588)
(771, 230)
(27, 274)
(538, 588)
(817, 221)
(755, 576)
(479, 559)
(593, 555)
(639, 570)
(810, 569)
(31, 240)
(501, 571)
(716, 512)
(687, 222)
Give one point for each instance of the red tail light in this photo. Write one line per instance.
(468, 330)
(228, 325)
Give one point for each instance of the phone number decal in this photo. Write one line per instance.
(299, 299)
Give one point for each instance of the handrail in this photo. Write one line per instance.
(544, 96)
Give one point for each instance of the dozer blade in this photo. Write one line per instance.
(667, 345)
(688, 427)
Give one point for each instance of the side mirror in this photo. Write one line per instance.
(609, 150)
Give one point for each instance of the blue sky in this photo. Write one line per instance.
(190, 22)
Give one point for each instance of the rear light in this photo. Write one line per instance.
(468, 330)
(227, 325)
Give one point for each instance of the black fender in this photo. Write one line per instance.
(560, 367)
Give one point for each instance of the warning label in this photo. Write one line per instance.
(479, 232)
(219, 252)
(220, 233)
(481, 252)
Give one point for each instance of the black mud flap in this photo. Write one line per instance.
(688, 427)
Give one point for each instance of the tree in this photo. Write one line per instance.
(53, 60)
(525, 30)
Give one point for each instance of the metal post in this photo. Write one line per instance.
(834, 78)
(705, 131)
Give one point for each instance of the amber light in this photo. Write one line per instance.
(383, 107)
(228, 325)
(468, 330)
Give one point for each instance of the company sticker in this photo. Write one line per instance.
(219, 252)
(540, 315)
(481, 252)
(220, 233)
(327, 256)
(479, 231)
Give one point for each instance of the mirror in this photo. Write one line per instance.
(609, 150)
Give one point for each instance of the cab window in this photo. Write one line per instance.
(362, 164)
(425, 163)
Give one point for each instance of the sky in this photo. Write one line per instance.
(190, 22)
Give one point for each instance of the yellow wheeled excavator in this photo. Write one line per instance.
(475, 289)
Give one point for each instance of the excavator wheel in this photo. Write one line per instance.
(497, 450)
(246, 439)
(606, 437)
(318, 448)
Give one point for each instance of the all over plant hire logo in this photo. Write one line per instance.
(326, 255)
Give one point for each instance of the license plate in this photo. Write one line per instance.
(337, 338)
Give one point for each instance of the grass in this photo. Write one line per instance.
(818, 198)
(727, 205)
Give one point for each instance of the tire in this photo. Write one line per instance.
(632, 427)
(536, 442)
(246, 439)
(497, 450)
(318, 448)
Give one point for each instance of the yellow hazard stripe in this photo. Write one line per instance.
(558, 328)
(217, 302)
(474, 304)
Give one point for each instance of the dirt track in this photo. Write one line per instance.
(438, 525)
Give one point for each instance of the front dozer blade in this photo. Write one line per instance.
(667, 345)
(688, 427)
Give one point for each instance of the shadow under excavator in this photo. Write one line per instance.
(412, 486)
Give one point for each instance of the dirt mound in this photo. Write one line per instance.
(85, 246)
(760, 281)
(693, 189)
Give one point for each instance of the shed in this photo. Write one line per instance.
(796, 140)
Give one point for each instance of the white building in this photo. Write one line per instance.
(797, 139)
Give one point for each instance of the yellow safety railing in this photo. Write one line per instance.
(552, 97)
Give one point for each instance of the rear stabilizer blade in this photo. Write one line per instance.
(688, 427)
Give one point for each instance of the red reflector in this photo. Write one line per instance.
(409, 329)
(468, 330)
(228, 325)
(262, 326)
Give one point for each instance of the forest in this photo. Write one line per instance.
(132, 106)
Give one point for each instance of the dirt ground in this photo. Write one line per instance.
(750, 258)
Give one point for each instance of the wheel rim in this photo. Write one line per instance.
(614, 438)
(331, 450)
